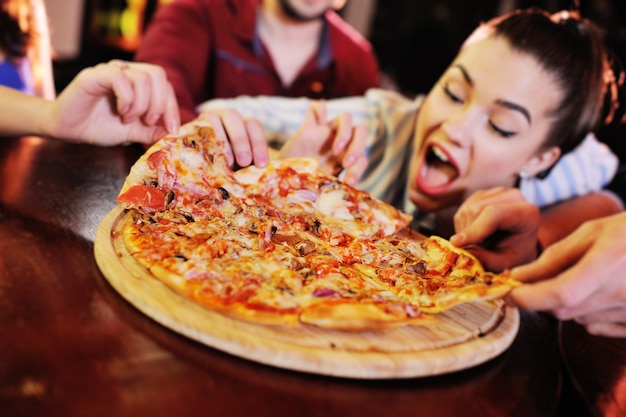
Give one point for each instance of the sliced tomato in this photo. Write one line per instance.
(143, 196)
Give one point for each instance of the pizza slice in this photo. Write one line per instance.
(433, 275)
(187, 172)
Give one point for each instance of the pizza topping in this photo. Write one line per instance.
(325, 292)
(224, 192)
(145, 196)
(305, 247)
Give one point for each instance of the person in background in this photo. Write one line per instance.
(523, 94)
(226, 48)
(108, 104)
(16, 39)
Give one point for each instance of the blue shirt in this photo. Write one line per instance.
(11, 76)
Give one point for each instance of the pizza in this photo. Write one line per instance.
(286, 245)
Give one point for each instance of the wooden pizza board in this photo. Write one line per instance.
(465, 336)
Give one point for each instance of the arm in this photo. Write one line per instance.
(572, 192)
(178, 39)
(106, 105)
(561, 219)
(581, 277)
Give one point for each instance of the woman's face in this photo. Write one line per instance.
(483, 122)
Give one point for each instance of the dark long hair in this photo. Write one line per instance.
(14, 41)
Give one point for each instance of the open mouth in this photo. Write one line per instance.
(438, 171)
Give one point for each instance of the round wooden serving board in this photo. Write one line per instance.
(462, 337)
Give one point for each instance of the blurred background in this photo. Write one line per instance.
(413, 39)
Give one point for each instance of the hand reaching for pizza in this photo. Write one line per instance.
(337, 144)
(113, 103)
(244, 140)
(499, 227)
(581, 277)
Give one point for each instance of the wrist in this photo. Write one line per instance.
(45, 124)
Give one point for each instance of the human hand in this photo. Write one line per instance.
(498, 226)
(244, 140)
(337, 144)
(581, 277)
(113, 103)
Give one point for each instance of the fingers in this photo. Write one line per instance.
(343, 133)
(171, 116)
(563, 293)
(143, 92)
(496, 210)
(607, 329)
(357, 140)
(220, 133)
(580, 277)
(337, 144)
(318, 110)
(244, 139)
(133, 92)
(556, 258)
(237, 133)
(609, 322)
(260, 151)
(348, 147)
(356, 170)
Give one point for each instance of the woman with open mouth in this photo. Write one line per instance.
(519, 102)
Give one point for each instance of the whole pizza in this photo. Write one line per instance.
(286, 245)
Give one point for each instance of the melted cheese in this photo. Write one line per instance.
(332, 203)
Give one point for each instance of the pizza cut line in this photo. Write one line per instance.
(288, 244)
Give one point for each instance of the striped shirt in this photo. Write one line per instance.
(390, 120)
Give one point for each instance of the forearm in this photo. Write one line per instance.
(561, 219)
(21, 114)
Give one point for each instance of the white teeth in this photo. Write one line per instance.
(440, 154)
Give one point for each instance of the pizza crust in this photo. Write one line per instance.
(358, 317)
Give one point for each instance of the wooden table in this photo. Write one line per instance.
(596, 367)
(71, 346)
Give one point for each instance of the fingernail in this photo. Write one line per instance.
(173, 126)
(457, 237)
(350, 179)
(262, 162)
(244, 158)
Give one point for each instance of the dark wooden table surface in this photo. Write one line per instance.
(596, 367)
(71, 346)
